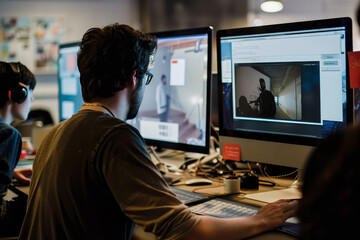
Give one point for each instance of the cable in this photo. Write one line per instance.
(264, 173)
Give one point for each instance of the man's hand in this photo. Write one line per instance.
(22, 175)
(274, 214)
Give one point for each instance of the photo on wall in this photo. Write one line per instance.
(34, 41)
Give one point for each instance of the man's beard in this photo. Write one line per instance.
(135, 100)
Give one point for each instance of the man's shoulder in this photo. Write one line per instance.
(99, 124)
(126, 130)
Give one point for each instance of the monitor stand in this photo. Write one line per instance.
(214, 149)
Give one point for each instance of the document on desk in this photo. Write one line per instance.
(272, 196)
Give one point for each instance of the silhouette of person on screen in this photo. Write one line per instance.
(162, 100)
(93, 176)
(266, 101)
(244, 109)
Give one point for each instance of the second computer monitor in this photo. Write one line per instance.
(175, 112)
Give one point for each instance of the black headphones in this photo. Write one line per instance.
(19, 91)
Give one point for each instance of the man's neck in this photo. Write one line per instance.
(117, 104)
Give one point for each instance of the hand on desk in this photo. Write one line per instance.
(276, 213)
(22, 175)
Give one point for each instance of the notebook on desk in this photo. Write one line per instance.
(272, 196)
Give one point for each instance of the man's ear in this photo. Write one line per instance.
(133, 78)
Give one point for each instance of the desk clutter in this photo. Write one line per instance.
(236, 176)
(196, 181)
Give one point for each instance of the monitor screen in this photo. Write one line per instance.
(283, 88)
(70, 99)
(175, 112)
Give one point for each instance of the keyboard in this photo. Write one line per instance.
(187, 197)
(222, 208)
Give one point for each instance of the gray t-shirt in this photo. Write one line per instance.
(93, 179)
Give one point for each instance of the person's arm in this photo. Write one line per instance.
(22, 175)
(267, 218)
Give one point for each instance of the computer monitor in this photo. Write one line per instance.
(175, 111)
(283, 89)
(70, 98)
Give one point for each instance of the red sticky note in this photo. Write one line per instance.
(231, 151)
(354, 69)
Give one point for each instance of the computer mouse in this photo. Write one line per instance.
(198, 182)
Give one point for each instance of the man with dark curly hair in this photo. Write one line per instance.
(93, 177)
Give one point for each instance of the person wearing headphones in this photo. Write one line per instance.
(16, 86)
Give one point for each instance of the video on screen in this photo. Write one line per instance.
(278, 91)
(174, 104)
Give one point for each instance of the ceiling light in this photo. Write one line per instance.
(272, 6)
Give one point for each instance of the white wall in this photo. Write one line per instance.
(79, 16)
(193, 77)
(287, 100)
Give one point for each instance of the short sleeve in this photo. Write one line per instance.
(139, 188)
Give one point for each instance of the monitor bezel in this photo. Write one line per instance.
(182, 146)
(285, 27)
